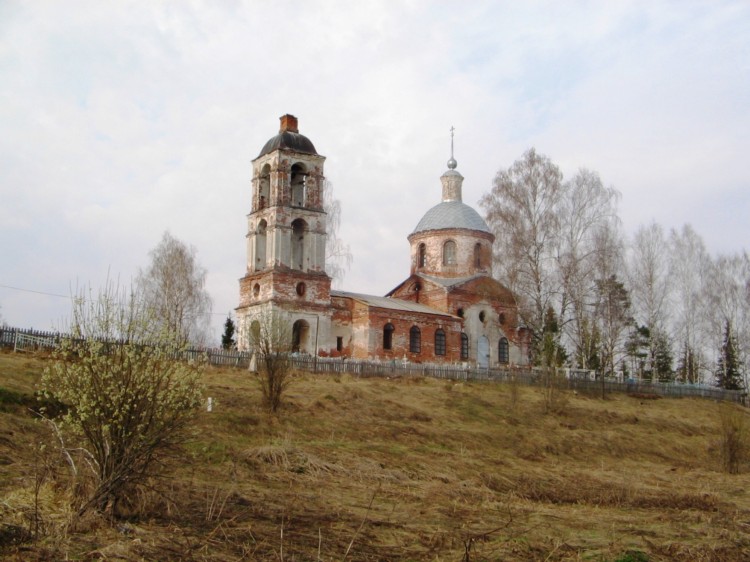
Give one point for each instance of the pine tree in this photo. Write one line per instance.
(729, 368)
(227, 339)
(552, 353)
(662, 357)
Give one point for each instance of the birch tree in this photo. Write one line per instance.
(522, 210)
(173, 288)
(586, 208)
(338, 254)
(688, 270)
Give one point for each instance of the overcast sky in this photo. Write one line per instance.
(120, 120)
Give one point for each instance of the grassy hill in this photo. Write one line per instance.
(404, 469)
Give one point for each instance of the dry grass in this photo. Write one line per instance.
(410, 469)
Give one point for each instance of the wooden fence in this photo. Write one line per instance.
(580, 381)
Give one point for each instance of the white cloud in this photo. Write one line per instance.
(122, 120)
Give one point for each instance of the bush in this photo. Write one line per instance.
(129, 402)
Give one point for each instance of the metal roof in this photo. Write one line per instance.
(389, 303)
(451, 214)
(287, 140)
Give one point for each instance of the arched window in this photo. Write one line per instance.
(260, 246)
(439, 342)
(478, 255)
(299, 177)
(264, 187)
(415, 340)
(449, 253)
(298, 244)
(502, 351)
(422, 256)
(464, 346)
(388, 336)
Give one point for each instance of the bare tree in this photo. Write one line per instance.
(522, 209)
(338, 255)
(648, 273)
(586, 208)
(271, 339)
(612, 315)
(174, 290)
(688, 273)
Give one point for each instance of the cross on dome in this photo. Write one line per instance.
(452, 162)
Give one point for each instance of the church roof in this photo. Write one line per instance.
(289, 138)
(389, 303)
(451, 214)
(289, 141)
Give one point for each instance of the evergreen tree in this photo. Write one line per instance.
(637, 350)
(552, 353)
(729, 367)
(227, 339)
(661, 357)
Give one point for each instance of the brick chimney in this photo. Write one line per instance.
(288, 123)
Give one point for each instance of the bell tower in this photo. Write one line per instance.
(286, 238)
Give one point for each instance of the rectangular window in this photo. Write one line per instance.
(339, 343)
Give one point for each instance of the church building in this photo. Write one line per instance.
(448, 310)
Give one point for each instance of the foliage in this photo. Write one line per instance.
(227, 338)
(661, 352)
(612, 312)
(174, 290)
(551, 353)
(729, 368)
(271, 341)
(129, 402)
(636, 348)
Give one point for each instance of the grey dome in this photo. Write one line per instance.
(287, 140)
(451, 214)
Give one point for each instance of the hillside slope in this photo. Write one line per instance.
(407, 469)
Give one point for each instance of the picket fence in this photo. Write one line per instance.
(581, 381)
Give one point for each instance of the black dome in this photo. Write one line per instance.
(288, 140)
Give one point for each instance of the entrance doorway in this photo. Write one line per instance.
(483, 353)
(300, 337)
